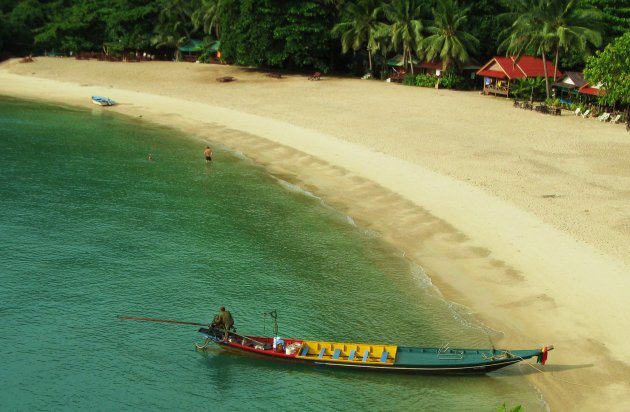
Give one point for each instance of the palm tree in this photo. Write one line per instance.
(530, 31)
(172, 28)
(448, 40)
(360, 25)
(405, 28)
(208, 16)
(574, 24)
(549, 26)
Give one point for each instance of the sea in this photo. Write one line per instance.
(91, 229)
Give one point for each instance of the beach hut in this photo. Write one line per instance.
(500, 71)
(433, 68)
(589, 90)
(194, 49)
(569, 85)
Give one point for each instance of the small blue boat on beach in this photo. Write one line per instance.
(102, 101)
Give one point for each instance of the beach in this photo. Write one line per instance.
(520, 217)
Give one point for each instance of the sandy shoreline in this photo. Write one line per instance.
(521, 217)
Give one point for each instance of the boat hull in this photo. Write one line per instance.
(370, 357)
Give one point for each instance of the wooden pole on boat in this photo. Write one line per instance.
(160, 320)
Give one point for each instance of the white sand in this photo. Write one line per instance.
(523, 218)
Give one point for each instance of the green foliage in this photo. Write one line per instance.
(449, 41)
(296, 34)
(554, 102)
(175, 24)
(359, 26)
(16, 21)
(616, 16)
(485, 25)
(72, 27)
(283, 34)
(305, 36)
(130, 23)
(549, 27)
(247, 33)
(207, 16)
(404, 27)
(532, 88)
(452, 80)
(611, 68)
(422, 80)
(504, 408)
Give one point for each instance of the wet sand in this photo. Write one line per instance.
(521, 217)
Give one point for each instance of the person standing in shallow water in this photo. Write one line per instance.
(208, 154)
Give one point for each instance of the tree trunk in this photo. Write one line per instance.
(370, 61)
(545, 71)
(556, 63)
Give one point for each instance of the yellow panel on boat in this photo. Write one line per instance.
(314, 350)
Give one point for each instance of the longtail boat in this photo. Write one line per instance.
(368, 356)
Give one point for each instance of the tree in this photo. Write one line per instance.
(448, 40)
(208, 16)
(72, 26)
(129, 23)
(360, 25)
(277, 33)
(573, 25)
(616, 16)
(484, 24)
(18, 25)
(530, 32)
(174, 25)
(405, 26)
(611, 69)
(304, 35)
(550, 26)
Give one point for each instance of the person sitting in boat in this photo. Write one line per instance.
(224, 320)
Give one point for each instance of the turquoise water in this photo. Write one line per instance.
(90, 229)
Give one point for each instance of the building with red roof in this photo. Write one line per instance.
(500, 71)
(592, 90)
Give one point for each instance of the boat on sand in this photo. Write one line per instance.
(102, 101)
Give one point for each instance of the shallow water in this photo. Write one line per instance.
(90, 229)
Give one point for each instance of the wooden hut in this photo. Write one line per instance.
(500, 71)
(569, 85)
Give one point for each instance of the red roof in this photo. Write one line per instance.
(492, 73)
(593, 91)
(511, 70)
(526, 66)
(431, 65)
(533, 67)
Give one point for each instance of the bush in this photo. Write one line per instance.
(450, 81)
(453, 81)
(553, 102)
(424, 80)
(409, 80)
(530, 88)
